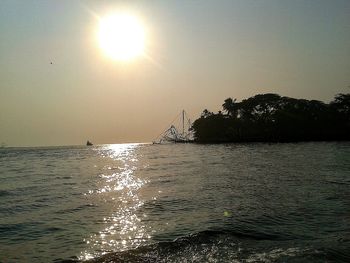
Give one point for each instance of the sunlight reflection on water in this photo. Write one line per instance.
(123, 229)
(176, 203)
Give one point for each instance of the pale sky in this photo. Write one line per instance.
(198, 54)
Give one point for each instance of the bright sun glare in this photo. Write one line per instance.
(121, 36)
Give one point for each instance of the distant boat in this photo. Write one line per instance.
(182, 134)
(88, 143)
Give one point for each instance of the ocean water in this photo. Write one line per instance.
(176, 203)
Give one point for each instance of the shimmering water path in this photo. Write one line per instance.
(176, 203)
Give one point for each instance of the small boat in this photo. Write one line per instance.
(88, 143)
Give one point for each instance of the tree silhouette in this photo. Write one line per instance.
(230, 107)
(270, 117)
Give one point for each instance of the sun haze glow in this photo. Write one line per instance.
(121, 36)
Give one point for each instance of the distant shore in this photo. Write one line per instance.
(273, 118)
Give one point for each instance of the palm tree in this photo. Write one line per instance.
(230, 107)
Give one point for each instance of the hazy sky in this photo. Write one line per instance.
(198, 54)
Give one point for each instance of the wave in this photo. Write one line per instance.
(225, 246)
(5, 193)
(19, 232)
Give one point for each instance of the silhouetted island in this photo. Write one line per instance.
(272, 118)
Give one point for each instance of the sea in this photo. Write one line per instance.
(254, 202)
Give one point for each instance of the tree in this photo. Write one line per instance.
(270, 117)
(341, 104)
(230, 107)
(206, 114)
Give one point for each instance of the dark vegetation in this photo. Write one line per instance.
(272, 118)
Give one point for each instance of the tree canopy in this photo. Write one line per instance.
(273, 118)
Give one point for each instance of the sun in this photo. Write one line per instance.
(121, 36)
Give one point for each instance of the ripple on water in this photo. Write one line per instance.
(176, 203)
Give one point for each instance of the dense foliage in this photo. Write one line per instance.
(270, 117)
